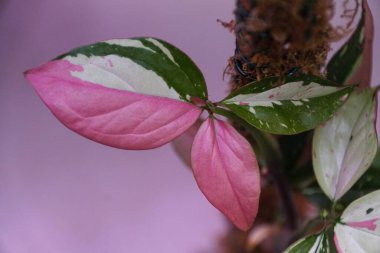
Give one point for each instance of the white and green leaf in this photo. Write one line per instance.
(345, 146)
(147, 66)
(126, 93)
(300, 104)
(359, 229)
(311, 244)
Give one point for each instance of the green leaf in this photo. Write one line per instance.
(353, 61)
(300, 104)
(310, 244)
(345, 146)
(168, 72)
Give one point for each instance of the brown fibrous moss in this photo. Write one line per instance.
(280, 38)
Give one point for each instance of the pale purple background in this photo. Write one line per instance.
(59, 192)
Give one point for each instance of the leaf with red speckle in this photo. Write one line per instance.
(345, 146)
(299, 104)
(227, 172)
(359, 228)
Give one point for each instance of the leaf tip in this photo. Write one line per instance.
(29, 74)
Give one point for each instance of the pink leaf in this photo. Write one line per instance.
(113, 117)
(227, 172)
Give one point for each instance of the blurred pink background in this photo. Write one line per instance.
(59, 192)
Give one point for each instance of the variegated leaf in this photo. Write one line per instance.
(359, 229)
(145, 65)
(310, 244)
(226, 171)
(300, 104)
(352, 64)
(126, 93)
(345, 146)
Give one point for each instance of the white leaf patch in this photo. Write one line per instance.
(128, 43)
(359, 230)
(295, 92)
(345, 146)
(121, 73)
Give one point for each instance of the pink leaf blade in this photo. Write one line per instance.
(227, 172)
(113, 117)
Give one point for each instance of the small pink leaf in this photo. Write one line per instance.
(111, 116)
(227, 172)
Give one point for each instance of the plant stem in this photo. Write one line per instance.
(268, 146)
(275, 169)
